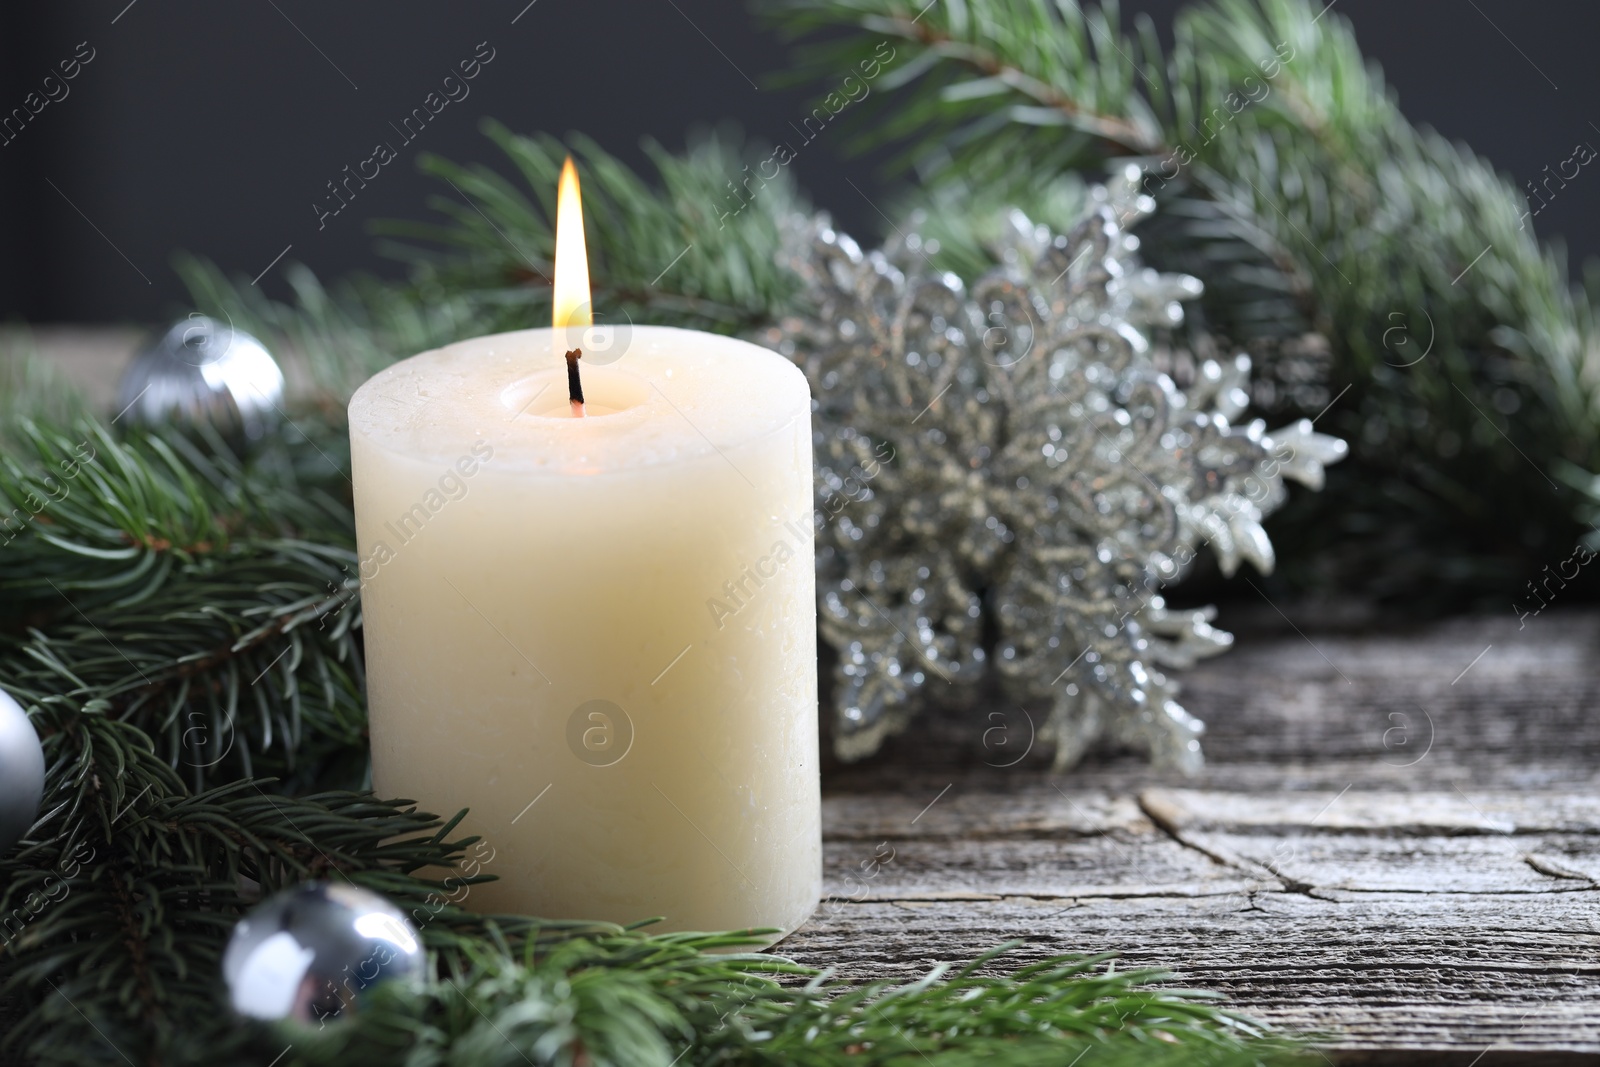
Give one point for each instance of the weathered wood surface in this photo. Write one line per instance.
(1396, 842)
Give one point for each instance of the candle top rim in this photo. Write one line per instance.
(688, 396)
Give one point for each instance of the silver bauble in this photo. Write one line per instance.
(312, 953)
(204, 373)
(21, 772)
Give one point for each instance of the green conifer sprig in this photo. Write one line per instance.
(345, 332)
(208, 602)
(1289, 182)
(690, 248)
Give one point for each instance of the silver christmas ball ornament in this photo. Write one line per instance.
(21, 772)
(202, 372)
(311, 954)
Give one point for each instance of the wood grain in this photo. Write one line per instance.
(1395, 973)
(1395, 843)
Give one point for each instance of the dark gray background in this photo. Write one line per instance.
(213, 127)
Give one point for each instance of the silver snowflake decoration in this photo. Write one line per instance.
(1006, 478)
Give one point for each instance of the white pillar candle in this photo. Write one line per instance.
(599, 633)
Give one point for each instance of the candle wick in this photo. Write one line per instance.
(575, 383)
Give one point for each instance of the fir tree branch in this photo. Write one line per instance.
(692, 248)
(1291, 184)
(209, 603)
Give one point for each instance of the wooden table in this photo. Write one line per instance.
(1396, 840)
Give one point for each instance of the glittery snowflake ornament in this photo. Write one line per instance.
(1006, 478)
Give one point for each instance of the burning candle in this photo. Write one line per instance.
(590, 613)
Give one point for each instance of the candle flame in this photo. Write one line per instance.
(571, 284)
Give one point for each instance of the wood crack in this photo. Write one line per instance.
(1167, 819)
(1554, 868)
